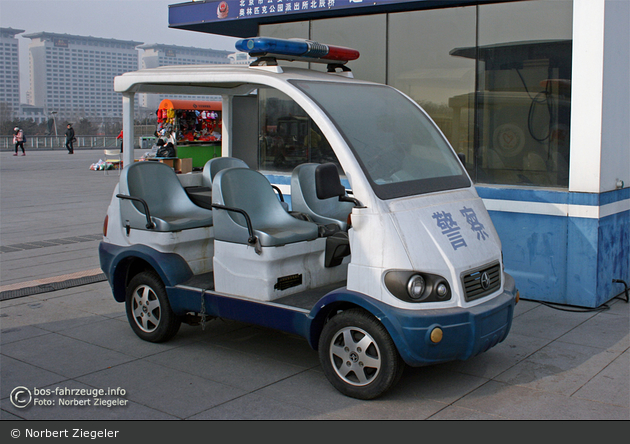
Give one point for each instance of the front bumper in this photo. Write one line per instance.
(466, 331)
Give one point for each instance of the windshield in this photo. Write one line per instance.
(399, 148)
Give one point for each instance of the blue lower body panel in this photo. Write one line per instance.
(184, 300)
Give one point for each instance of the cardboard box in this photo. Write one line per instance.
(183, 165)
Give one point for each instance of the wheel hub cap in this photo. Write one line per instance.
(355, 356)
(147, 311)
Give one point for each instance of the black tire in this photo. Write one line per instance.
(148, 310)
(358, 356)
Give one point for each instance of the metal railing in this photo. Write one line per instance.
(59, 142)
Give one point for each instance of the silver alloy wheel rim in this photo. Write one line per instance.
(147, 311)
(355, 356)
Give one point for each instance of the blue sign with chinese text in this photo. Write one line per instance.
(240, 18)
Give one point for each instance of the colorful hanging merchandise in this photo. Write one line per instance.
(193, 121)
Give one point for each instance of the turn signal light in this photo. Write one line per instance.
(436, 335)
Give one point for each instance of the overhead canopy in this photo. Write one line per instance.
(190, 105)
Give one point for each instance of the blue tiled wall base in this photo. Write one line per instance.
(562, 259)
(535, 253)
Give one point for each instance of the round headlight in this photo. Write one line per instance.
(441, 290)
(416, 286)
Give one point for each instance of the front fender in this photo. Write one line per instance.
(466, 331)
(342, 299)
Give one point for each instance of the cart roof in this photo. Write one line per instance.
(215, 79)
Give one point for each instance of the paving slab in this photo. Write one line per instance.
(63, 355)
(500, 358)
(115, 334)
(16, 373)
(435, 383)
(548, 323)
(522, 403)
(46, 315)
(559, 367)
(252, 407)
(611, 385)
(14, 334)
(453, 413)
(235, 369)
(260, 341)
(170, 391)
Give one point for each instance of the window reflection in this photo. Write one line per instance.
(288, 136)
(524, 96)
(420, 65)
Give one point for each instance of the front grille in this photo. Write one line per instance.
(481, 282)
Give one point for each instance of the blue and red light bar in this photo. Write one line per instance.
(296, 49)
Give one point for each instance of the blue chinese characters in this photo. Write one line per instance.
(451, 229)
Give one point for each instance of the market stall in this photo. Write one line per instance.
(197, 128)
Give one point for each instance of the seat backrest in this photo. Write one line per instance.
(250, 191)
(304, 199)
(213, 166)
(158, 185)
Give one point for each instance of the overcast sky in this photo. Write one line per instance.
(139, 20)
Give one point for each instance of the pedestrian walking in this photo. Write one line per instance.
(70, 139)
(120, 136)
(18, 140)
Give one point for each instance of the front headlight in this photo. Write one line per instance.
(414, 286)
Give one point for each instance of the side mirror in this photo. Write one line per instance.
(327, 183)
(462, 158)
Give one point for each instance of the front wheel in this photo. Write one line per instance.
(148, 310)
(358, 356)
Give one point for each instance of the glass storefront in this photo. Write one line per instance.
(523, 93)
(496, 78)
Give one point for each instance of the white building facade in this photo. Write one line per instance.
(73, 75)
(10, 69)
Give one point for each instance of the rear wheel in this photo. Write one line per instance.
(358, 356)
(148, 310)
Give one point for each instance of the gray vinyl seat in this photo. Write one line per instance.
(169, 206)
(213, 166)
(304, 199)
(250, 191)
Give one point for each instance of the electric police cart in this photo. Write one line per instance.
(401, 266)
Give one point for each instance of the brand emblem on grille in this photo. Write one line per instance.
(485, 281)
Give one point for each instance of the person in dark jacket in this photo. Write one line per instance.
(70, 139)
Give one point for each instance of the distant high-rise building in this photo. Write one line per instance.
(10, 69)
(156, 55)
(73, 75)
